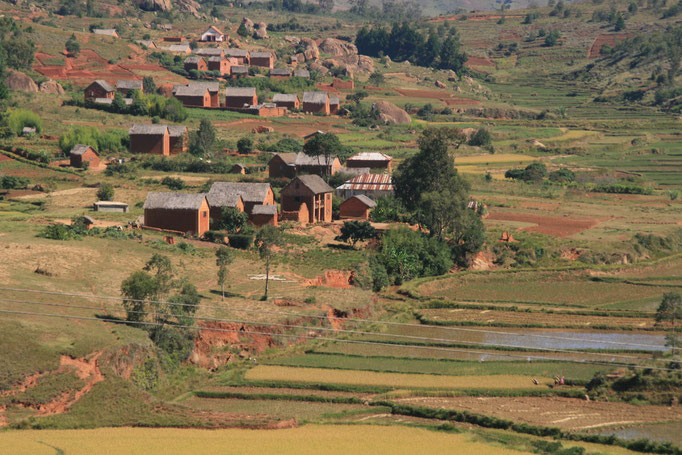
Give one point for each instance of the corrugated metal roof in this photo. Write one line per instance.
(128, 101)
(369, 182)
(370, 156)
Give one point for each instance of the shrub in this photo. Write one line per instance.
(241, 241)
(105, 192)
(480, 138)
(245, 145)
(20, 118)
(12, 182)
(534, 172)
(231, 220)
(562, 176)
(58, 231)
(173, 183)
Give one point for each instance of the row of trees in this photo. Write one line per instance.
(406, 42)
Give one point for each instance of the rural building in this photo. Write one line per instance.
(183, 48)
(219, 64)
(184, 212)
(219, 201)
(106, 32)
(83, 154)
(262, 59)
(195, 63)
(99, 89)
(334, 104)
(316, 103)
(288, 165)
(178, 139)
(239, 97)
(110, 206)
(28, 130)
(266, 110)
(356, 207)
(193, 96)
(307, 137)
(212, 35)
(210, 52)
(374, 186)
(239, 71)
(372, 160)
(125, 86)
(302, 73)
(343, 85)
(291, 102)
(264, 214)
(149, 44)
(127, 101)
(150, 139)
(280, 73)
(241, 55)
(313, 193)
(173, 39)
(238, 169)
(252, 194)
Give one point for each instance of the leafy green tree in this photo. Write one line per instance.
(441, 209)
(224, 257)
(673, 50)
(183, 305)
(137, 289)
(231, 220)
(325, 146)
(72, 46)
(670, 310)
(105, 192)
(245, 145)
(359, 7)
(552, 38)
(242, 31)
(119, 105)
(356, 231)
(204, 140)
(481, 138)
(267, 240)
(376, 78)
(432, 50)
(467, 236)
(139, 105)
(148, 85)
(17, 119)
(620, 23)
(163, 272)
(451, 55)
(562, 176)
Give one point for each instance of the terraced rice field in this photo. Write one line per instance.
(396, 380)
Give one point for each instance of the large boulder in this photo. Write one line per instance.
(356, 64)
(337, 47)
(154, 5)
(315, 66)
(261, 31)
(188, 6)
(310, 49)
(19, 81)
(248, 24)
(292, 40)
(390, 113)
(51, 87)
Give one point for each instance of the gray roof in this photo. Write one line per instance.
(194, 59)
(280, 72)
(110, 204)
(190, 90)
(210, 51)
(104, 31)
(240, 91)
(80, 149)
(261, 54)
(334, 100)
(302, 73)
(129, 84)
(152, 130)
(128, 101)
(249, 192)
(174, 201)
(177, 130)
(233, 52)
(184, 47)
(146, 43)
(264, 210)
(288, 158)
(210, 86)
(284, 98)
(104, 84)
(364, 199)
(314, 183)
(307, 160)
(240, 69)
(216, 58)
(315, 97)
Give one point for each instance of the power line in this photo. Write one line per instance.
(467, 351)
(358, 320)
(327, 329)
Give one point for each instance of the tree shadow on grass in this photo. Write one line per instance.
(340, 246)
(228, 294)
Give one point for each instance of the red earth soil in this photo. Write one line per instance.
(550, 225)
(332, 279)
(289, 128)
(479, 61)
(610, 40)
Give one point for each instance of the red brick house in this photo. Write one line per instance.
(264, 214)
(356, 207)
(188, 213)
(282, 165)
(83, 154)
(241, 55)
(334, 104)
(150, 139)
(237, 71)
(125, 86)
(291, 164)
(239, 97)
(291, 102)
(193, 96)
(316, 103)
(178, 139)
(195, 63)
(266, 110)
(343, 85)
(224, 194)
(372, 160)
(262, 59)
(280, 73)
(219, 64)
(312, 191)
(99, 89)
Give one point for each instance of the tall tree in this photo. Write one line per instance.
(325, 147)
(224, 257)
(432, 50)
(137, 290)
(203, 141)
(72, 46)
(451, 55)
(148, 85)
(670, 310)
(267, 239)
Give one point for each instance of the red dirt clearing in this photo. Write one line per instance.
(549, 225)
(443, 96)
(479, 61)
(610, 40)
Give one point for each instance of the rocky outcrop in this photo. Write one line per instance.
(154, 5)
(355, 64)
(261, 31)
(337, 47)
(188, 6)
(248, 24)
(439, 84)
(390, 113)
(19, 81)
(314, 66)
(51, 87)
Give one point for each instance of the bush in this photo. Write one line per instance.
(622, 189)
(11, 182)
(534, 172)
(231, 220)
(105, 192)
(480, 138)
(245, 145)
(562, 176)
(58, 231)
(101, 140)
(241, 241)
(173, 183)
(215, 236)
(20, 118)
